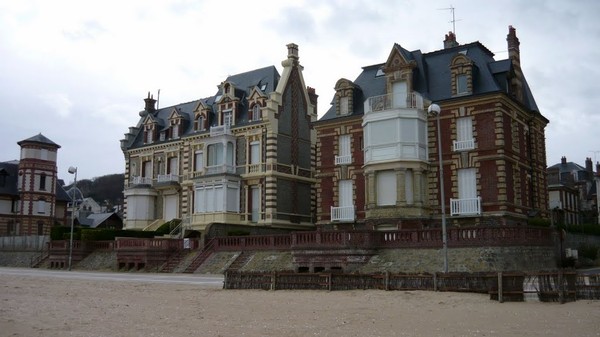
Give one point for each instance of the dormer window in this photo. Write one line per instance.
(343, 96)
(149, 133)
(174, 129)
(163, 136)
(461, 71)
(256, 112)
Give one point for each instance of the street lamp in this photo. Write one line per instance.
(72, 170)
(435, 109)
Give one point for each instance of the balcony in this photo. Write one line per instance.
(342, 214)
(394, 101)
(220, 130)
(470, 206)
(140, 181)
(343, 160)
(464, 145)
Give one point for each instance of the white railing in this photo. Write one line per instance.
(394, 101)
(343, 160)
(254, 168)
(220, 130)
(462, 145)
(218, 169)
(345, 213)
(141, 181)
(471, 206)
(163, 178)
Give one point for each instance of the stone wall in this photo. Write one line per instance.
(476, 259)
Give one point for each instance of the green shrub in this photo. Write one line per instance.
(238, 232)
(539, 222)
(58, 232)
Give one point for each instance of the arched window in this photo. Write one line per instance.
(256, 112)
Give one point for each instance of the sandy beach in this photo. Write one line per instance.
(41, 306)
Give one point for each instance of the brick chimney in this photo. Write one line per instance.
(150, 101)
(563, 160)
(589, 165)
(514, 54)
(597, 170)
(450, 40)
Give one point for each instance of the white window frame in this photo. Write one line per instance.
(198, 161)
(256, 116)
(228, 117)
(344, 148)
(462, 86)
(344, 105)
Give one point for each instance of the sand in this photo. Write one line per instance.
(35, 306)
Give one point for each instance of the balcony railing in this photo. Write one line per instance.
(165, 178)
(220, 130)
(463, 145)
(344, 213)
(141, 181)
(394, 101)
(471, 206)
(343, 160)
(220, 169)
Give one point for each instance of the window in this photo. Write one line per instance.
(200, 123)
(41, 206)
(461, 84)
(198, 161)
(175, 131)
(344, 105)
(149, 135)
(400, 92)
(256, 112)
(43, 181)
(255, 152)
(217, 197)
(345, 190)
(162, 136)
(344, 156)
(228, 118)
(172, 169)
(386, 188)
(44, 154)
(215, 154)
(467, 184)
(147, 169)
(464, 134)
(40, 228)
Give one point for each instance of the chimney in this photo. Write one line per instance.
(516, 83)
(150, 101)
(312, 95)
(563, 160)
(589, 165)
(450, 40)
(293, 51)
(597, 169)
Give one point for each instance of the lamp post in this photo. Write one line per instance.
(436, 110)
(72, 170)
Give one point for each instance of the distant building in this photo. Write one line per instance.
(377, 147)
(243, 156)
(31, 199)
(573, 192)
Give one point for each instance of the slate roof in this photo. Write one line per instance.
(432, 78)
(95, 219)
(265, 79)
(39, 138)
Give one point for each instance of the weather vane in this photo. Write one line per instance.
(451, 8)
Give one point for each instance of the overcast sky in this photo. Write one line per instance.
(77, 71)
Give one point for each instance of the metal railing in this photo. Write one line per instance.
(344, 213)
(471, 206)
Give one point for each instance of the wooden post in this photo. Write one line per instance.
(329, 282)
(387, 280)
(435, 287)
(274, 281)
(500, 297)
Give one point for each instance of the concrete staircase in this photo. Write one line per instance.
(173, 261)
(240, 261)
(203, 256)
